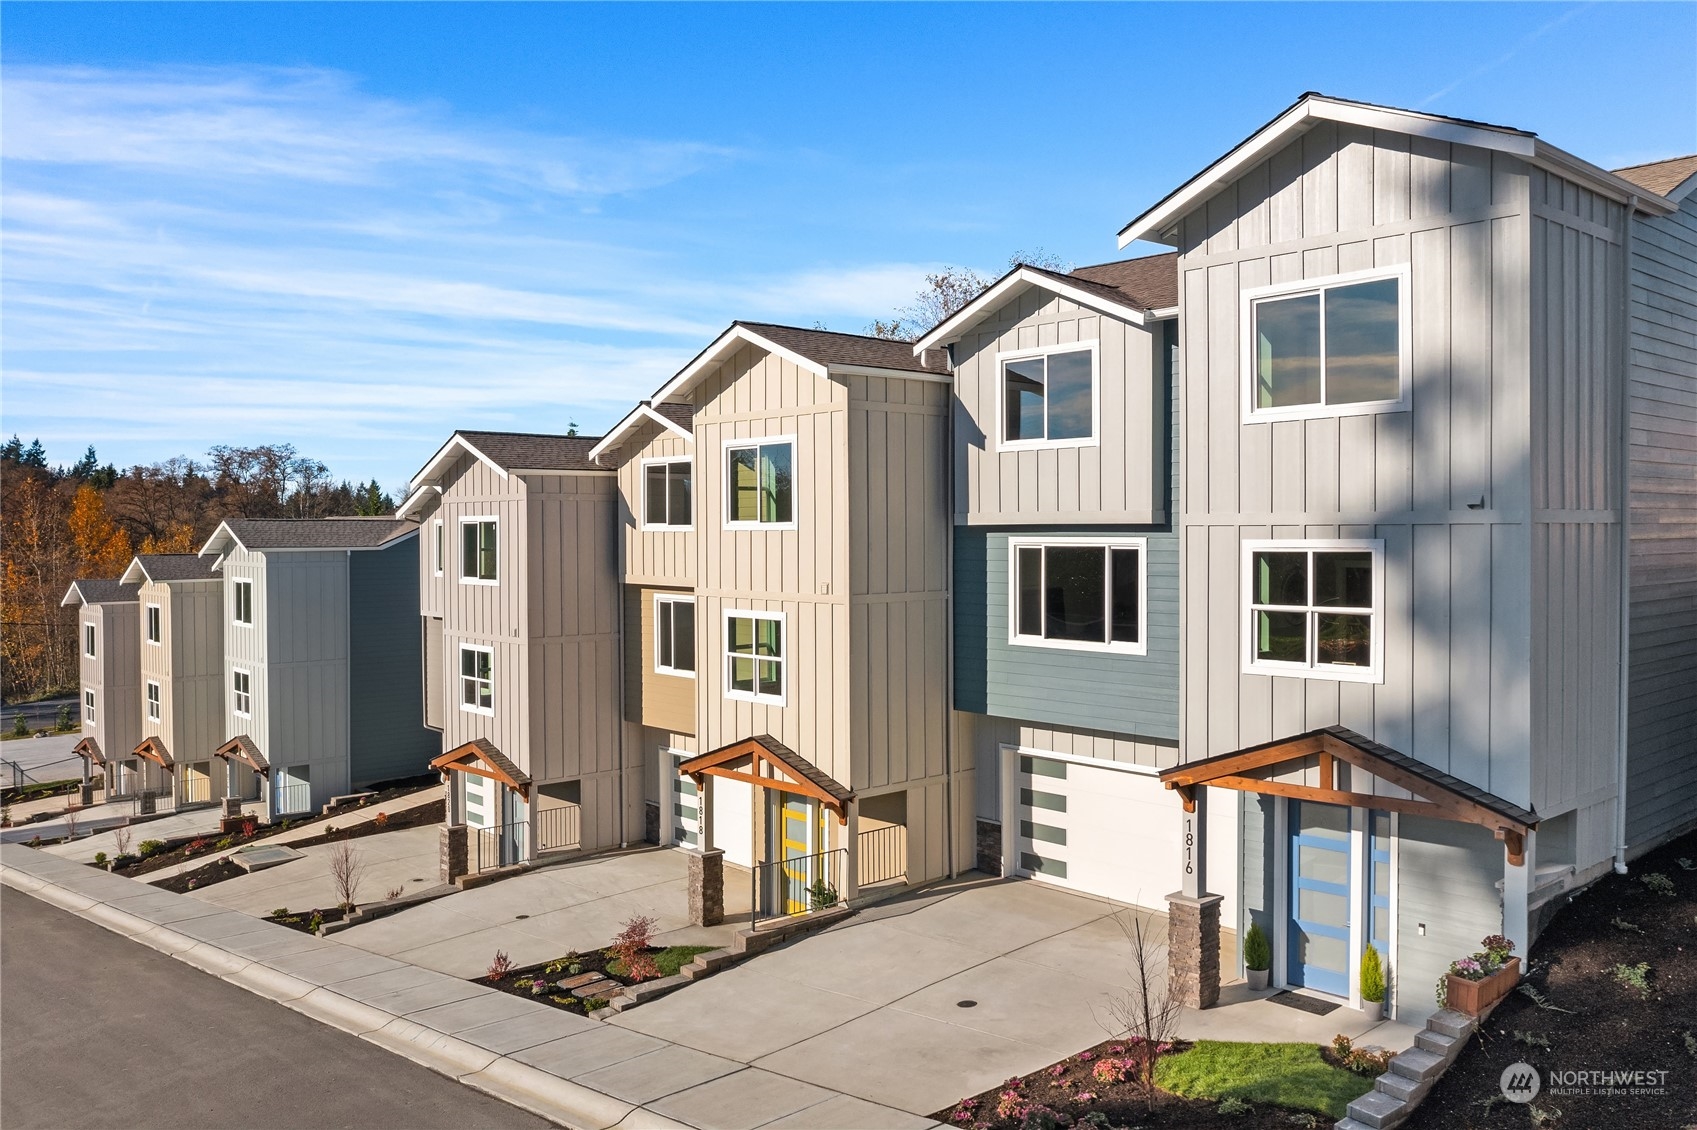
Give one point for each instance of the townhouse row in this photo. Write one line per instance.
(1335, 572)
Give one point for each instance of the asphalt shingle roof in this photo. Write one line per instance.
(829, 348)
(1661, 177)
(317, 533)
(1149, 282)
(176, 567)
(100, 591)
(678, 412)
(523, 451)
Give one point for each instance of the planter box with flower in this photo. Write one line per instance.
(1475, 983)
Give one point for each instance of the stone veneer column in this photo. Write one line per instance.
(454, 852)
(1193, 948)
(706, 887)
(989, 847)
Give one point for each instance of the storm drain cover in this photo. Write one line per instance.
(966, 1004)
(257, 857)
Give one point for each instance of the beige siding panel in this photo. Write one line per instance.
(662, 701)
(435, 677)
(659, 557)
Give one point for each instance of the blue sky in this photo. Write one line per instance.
(356, 227)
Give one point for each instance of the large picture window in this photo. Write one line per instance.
(1078, 593)
(1332, 347)
(478, 550)
(155, 708)
(754, 656)
(241, 693)
(674, 635)
(477, 679)
(243, 611)
(759, 481)
(1314, 608)
(1049, 396)
(667, 493)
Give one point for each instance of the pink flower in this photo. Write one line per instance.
(1084, 1097)
(1086, 1057)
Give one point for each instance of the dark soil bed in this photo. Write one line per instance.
(204, 876)
(582, 971)
(1614, 925)
(302, 920)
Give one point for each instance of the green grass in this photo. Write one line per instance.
(1289, 1075)
(670, 960)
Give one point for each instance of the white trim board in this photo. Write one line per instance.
(953, 328)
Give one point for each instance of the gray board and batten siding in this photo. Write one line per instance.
(1661, 780)
(1495, 505)
(113, 673)
(387, 734)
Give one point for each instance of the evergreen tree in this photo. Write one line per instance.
(85, 467)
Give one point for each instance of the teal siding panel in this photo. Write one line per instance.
(388, 736)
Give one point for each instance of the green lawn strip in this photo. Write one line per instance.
(1289, 1075)
(670, 960)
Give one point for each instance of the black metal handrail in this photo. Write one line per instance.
(882, 854)
(294, 797)
(197, 790)
(800, 884)
(499, 846)
(559, 829)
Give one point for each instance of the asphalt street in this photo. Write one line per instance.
(98, 1031)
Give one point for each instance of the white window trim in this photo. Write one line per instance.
(1405, 354)
(667, 598)
(459, 546)
(694, 501)
(440, 548)
(460, 679)
(725, 485)
(89, 634)
(783, 696)
(1374, 672)
(1095, 437)
(238, 585)
(234, 671)
(1141, 647)
(88, 705)
(148, 702)
(147, 622)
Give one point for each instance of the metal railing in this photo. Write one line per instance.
(147, 801)
(500, 846)
(197, 790)
(559, 829)
(881, 854)
(798, 885)
(289, 797)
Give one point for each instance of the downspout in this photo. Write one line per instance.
(1625, 474)
(619, 611)
(949, 623)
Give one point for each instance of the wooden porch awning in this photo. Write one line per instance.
(740, 761)
(242, 748)
(90, 749)
(481, 758)
(1306, 767)
(154, 750)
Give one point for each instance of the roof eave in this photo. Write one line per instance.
(723, 346)
(643, 413)
(1615, 187)
(73, 596)
(954, 327)
(138, 569)
(446, 452)
(221, 540)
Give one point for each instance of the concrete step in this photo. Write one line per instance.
(1402, 1088)
(1350, 1124)
(1418, 1065)
(1440, 1045)
(1449, 1022)
(1379, 1111)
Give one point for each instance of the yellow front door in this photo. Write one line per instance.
(797, 833)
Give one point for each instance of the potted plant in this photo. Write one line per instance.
(1372, 984)
(1478, 981)
(1257, 956)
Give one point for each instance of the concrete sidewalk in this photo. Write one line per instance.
(574, 1070)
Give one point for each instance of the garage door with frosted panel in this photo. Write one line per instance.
(1096, 828)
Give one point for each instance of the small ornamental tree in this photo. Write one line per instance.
(1257, 954)
(1372, 976)
(631, 948)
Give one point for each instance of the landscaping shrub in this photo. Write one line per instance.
(20, 728)
(1257, 951)
(249, 827)
(151, 847)
(226, 843)
(500, 967)
(100, 859)
(630, 947)
(1372, 976)
(381, 819)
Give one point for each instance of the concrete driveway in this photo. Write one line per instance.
(540, 915)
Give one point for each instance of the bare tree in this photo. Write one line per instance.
(71, 820)
(1147, 1011)
(121, 837)
(347, 868)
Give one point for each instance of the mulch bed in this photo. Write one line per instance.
(215, 872)
(1608, 1026)
(1061, 1087)
(302, 919)
(592, 978)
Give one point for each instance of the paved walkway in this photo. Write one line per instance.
(538, 916)
(575, 1070)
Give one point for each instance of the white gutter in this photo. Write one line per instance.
(1625, 472)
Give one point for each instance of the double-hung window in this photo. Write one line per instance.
(759, 482)
(88, 706)
(1083, 593)
(88, 640)
(667, 494)
(1049, 396)
(438, 549)
(243, 613)
(674, 635)
(155, 624)
(1330, 347)
(755, 656)
(241, 693)
(478, 551)
(155, 708)
(477, 679)
(1314, 609)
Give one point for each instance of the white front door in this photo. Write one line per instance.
(684, 820)
(1091, 826)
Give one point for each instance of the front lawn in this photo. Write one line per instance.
(1288, 1075)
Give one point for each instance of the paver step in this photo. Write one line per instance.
(1418, 1064)
(1450, 1022)
(603, 989)
(1378, 1110)
(1440, 1045)
(1402, 1088)
(1350, 1124)
(578, 980)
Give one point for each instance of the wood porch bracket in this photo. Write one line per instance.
(481, 758)
(89, 749)
(795, 773)
(155, 751)
(1434, 794)
(245, 750)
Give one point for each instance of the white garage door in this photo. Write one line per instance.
(1091, 827)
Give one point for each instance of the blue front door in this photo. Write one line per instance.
(1320, 867)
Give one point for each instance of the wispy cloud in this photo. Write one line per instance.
(1519, 45)
(196, 255)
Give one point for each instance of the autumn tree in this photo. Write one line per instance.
(102, 546)
(947, 291)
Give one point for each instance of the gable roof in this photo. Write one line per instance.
(88, 590)
(804, 776)
(678, 418)
(306, 533)
(1158, 223)
(489, 761)
(164, 568)
(504, 453)
(1661, 177)
(1131, 289)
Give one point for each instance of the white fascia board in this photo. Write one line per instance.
(455, 443)
(1164, 314)
(672, 426)
(136, 574)
(412, 501)
(1616, 188)
(73, 595)
(617, 432)
(900, 374)
(955, 326)
(220, 541)
(722, 348)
